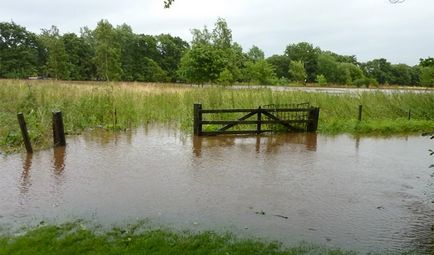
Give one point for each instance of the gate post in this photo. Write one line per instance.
(197, 119)
(24, 132)
(313, 117)
(58, 130)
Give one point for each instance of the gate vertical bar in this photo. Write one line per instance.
(197, 119)
(24, 132)
(313, 116)
(360, 112)
(258, 125)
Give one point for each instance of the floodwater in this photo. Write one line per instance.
(364, 194)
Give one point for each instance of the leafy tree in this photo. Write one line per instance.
(401, 74)
(427, 62)
(255, 54)
(280, 64)
(127, 43)
(297, 72)
(379, 69)
(260, 72)
(203, 63)
(19, 51)
(170, 51)
(328, 67)
(321, 79)
(306, 53)
(57, 61)
(107, 52)
(427, 76)
(79, 57)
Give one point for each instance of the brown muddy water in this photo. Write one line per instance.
(364, 194)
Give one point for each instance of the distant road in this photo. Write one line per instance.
(332, 90)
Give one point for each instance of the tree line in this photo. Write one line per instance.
(117, 53)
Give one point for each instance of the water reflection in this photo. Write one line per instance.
(267, 144)
(59, 154)
(25, 182)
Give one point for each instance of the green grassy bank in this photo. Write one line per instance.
(76, 239)
(128, 105)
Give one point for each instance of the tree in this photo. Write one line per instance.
(379, 69)
(280, 64)
(401, 74)
(260, 72)
(306, 53)
(79, 57)
(297, 72)
(19, 50)
(107, 52)
(170, 51)
(328, 67)
(57, 65)
(202, 63)
(427, 76)
(255, 54)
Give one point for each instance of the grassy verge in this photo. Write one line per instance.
(119, 106)
(77, 239)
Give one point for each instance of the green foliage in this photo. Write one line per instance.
(280, 64)
(427, 76)
(201, 64)
(321, 80)
(255, 54)
(260, 72)
(226, 77)
(107, 52)
(379, 69)
(57, 66)
(79, 57)
(297, 72)
(18, 51)
(306, 53)
(365, 81)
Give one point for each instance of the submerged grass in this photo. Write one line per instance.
(73, 238)
(127, 105)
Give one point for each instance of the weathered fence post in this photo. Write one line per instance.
(58, 129)
(197, 119)
(313, 117)
(360, 112)
(409, 114)
(24, 132)
(258, 125)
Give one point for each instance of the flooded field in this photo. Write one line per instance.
(365, 194)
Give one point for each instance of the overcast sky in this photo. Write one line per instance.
(369, 29)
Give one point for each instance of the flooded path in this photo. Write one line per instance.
(367, 194)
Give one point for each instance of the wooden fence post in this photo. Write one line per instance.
(197, 119)
(360, 112)
(258, 125)
(313, 118)
(24, 132)
(58, 129)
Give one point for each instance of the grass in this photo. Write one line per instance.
(119, 106)
(75, 238)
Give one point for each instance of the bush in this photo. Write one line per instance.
(321, 79)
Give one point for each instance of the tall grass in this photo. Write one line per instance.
(120, 106)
